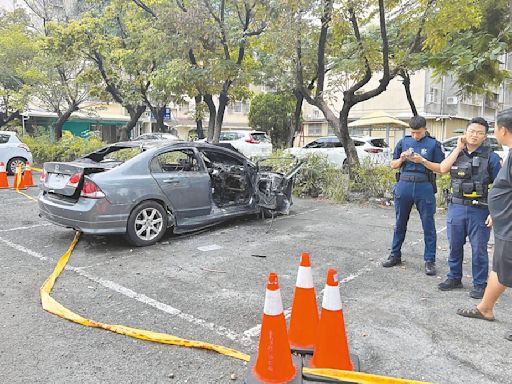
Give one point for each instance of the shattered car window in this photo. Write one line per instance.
(178, 161)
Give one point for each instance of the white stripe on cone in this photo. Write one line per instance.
(2, 168)
(332, 298)
(273, 303)
(304, 278)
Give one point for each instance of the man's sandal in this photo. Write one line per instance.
(473, 313)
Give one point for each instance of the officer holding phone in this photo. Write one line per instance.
(417, 157)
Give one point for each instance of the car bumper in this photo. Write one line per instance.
(90, 216)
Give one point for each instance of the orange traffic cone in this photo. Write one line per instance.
(304, 317)
(273, 363)
(18, 179)
(4, 182)
(331, 347)
(27, 176)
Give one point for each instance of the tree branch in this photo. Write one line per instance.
(142, 5)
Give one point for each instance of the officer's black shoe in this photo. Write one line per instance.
(392, 261)
(450, 284)
(430, 268)
(477, 292)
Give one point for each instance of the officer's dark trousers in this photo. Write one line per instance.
(466, 221)
(422, 195)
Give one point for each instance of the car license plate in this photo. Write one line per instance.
(57, 180)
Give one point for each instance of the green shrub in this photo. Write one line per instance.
(67, 149)
(443, 183)
(317, 178)
(373, 180)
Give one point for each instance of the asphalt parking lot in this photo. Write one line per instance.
(210, 286)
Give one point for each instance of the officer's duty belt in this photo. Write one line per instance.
(415, 178)
(469, 202)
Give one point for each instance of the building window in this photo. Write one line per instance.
(238, 107)
(433, 96)
(316, 113)
(315, 129)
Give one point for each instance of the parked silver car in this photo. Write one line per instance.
(141, 189)
(13, 152)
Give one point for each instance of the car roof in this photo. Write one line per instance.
(12, 133)
(241, 131)
(154, 144)
(352, 137)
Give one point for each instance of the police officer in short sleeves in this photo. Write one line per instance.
(417, 157)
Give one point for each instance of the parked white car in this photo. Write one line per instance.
(13, 151)
(375, 149)
(250, 144)
(501, 150)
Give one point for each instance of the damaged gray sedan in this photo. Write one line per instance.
(141, 189)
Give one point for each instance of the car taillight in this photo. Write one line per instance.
(91, 190)
(74, 180)
(251, 140)
(44, 176)
(373, 150)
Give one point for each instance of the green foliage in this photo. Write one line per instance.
(17, 50)
(443, 183)
(67, 149)
(471, 54)
(318, 178)
(272, 113)
(373, 180)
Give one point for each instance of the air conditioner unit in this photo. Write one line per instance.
(452, 100)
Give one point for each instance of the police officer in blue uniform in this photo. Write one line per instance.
(417, 156)
(473, 166)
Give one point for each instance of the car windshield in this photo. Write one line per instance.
(493, 143)
(261, 137)
(380, 143)
(4, 138)
(229, 136)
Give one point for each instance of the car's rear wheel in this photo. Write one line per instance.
(13, 163)
(147, 224)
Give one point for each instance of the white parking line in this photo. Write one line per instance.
(420, 240)
(26, 227)
(255, 331)
(223, 331)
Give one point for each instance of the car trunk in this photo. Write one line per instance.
(65, 180)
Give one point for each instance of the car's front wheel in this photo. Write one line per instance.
(147, 224)
(13, 163)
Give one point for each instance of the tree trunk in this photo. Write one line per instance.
(208, 99)
(160, 112)
(135, 114)
(223, 102)
(344, 134)
(5, 118)
(62, 119)
(199, 119)
(406, 81)
(295, 126)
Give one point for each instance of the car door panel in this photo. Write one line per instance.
(185, 183)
